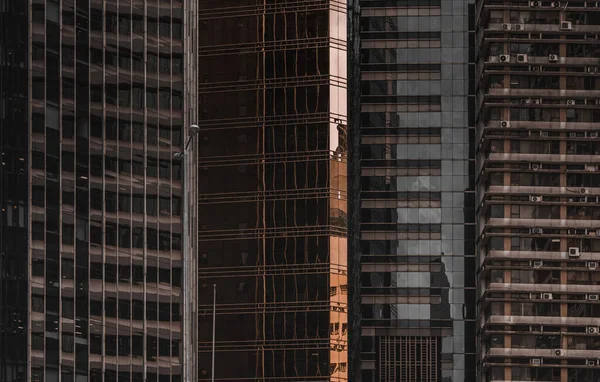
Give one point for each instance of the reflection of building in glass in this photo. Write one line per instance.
(539, 190)
(91, 225)
(273, 190)
(417, 246)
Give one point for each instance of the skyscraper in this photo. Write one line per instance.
(417, 196)
(92, 113)
(538, 190)
(272, 190)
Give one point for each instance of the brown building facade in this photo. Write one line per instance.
(91, 197)
(538, 190)
(272, 190)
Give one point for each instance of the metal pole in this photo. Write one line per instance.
(188, 344)
(214, 326)
(186, 286)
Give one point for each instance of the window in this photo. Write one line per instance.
(67, 270)
(37, 268)
(67, 343)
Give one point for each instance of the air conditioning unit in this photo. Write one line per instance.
(555, 4)
(536, 231)
(526, 101)
(536, 68)
(536, 101)
(582, 200)
(558, 352)
(590, 362)
(534, 3)
(590, 167)
(546, 296)
(544, 134)
(584, 191)
(566, 26)
(535, 166)
(520, 27)
(592, 330)
(570, 102)
(506, 27)
(504, 58)
(594, 134)
(573, 252)
(535, 361)
(592, 297)
(538, 263)
(504, 123)
(553, 58)
(592, 69)
(572, 135)
(536, 198)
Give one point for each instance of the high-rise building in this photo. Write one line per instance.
(538, 190)
(417, 194)
(92, 112)
(272, 190)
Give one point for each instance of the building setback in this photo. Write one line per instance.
(272, 190)
(93, 111)
(538, 190)
(417, 194)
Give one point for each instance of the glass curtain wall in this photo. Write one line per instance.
(417, 192)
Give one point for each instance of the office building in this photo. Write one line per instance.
(417, 193)
(92, 113)
(538, 190)
(272, 190)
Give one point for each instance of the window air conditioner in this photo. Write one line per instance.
(535, 166)
(573, 252)
(504, 123)
(592, 330)
(536, 101)
(590, 362)
(536, 231)
(553, 58)
(594, 134)
(536, 68)
(572, 135)
(538, 264)
(535, 198)
(592, 265)
(504, 58)
(534, 3)
(592, 69)
(546, 296)
(558, 352)
(584, 191)
(570, 102)
(592, 297)
(544, 134)
(506, 27)
(556, 4)
(536, 361)
(566, 26)
(520, 27)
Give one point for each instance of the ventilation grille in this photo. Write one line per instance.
(408, 359)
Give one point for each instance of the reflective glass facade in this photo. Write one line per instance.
(14, 139)
(417, 192)
(272, 184)
(102, 196)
